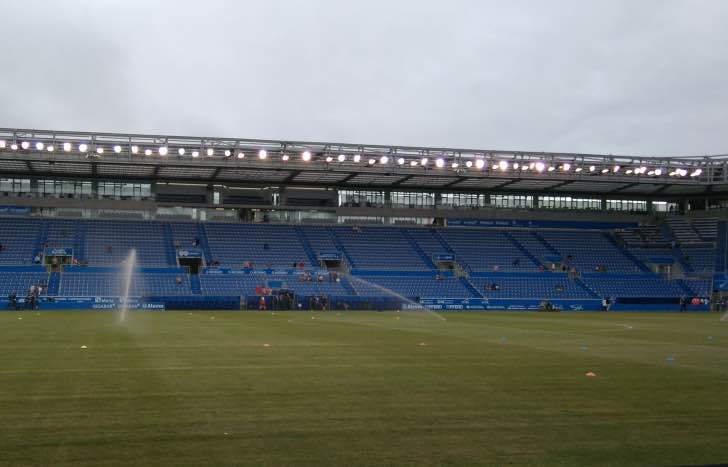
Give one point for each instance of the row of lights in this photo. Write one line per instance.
(306, 156)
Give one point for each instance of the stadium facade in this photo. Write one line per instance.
(231, 223)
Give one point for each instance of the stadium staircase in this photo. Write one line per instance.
(306, 245)
(340, 247)
(626, 252)
(195, 284)
(667, 233)
(523, 249)
(54, 283)
(588, 289)
(79, 241)
(204, 244)
(466, 283)
(442, 241)
(41, 238)
(347, 286)
(418, 249)
(546, 244)
(688, 291)
(169, 249)
(721, 248)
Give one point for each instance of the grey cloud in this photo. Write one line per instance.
(616, 77)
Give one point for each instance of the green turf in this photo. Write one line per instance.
(361, 389)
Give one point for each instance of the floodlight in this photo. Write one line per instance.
(578, 169)
(195, 154)
(39, 146)
(357, 157)
(134, 149)
(147, 152)
(592, 168)
(285, 157)
(50, 148)
(440, 162)
(228, 153)
(341, 158)
(455, 165)
(14, 147)
(262, 154)
(696, 173)
(566, 167)
(468, 164)
(372, 161)
(400, 161)
(605, 170)
(117, 149)
(503, 165)
(383, 160)
(423, 161)
(658, 172)
(100, 150)
(25, 145)
(551, 168)
(2, 144)
(540, 166)
(181, 151)
(516, 165)
(413, 163)
(616, 169)
(479, 164)
(306, 156)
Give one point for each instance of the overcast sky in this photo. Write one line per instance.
(621, 77)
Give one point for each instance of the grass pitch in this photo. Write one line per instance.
(362, 389)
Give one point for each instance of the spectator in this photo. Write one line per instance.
(553, 267)
(541, 268)
(109, 248)
(36, 260)
(178, 280)
(496, 268)
(438, 277)
(12, 301)
(559, 288)
(196, 242)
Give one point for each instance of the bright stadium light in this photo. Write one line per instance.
(39, 146)
(592, 168)
(628, 171)
(532, 165)
(135, 149)
(503, 165)
(605, 170)
(515, 166)
(658, 172)
(468, 164)
(117, 149)
(479, 164)
(25, 145)
(83, 147)
(228, 153)
(440, 162)
(423, 161)
(163, 150)
(566, 167)
(383, 160)
(329, 159)
(181, 151)
(551, 168)
(262, 154)
(306, 156)
(195, 154)
(14, 147)
(454, 165)
(494, 167)
(616, 169)
(285, 157)
(372, 161)
(540, 166)
(210, 152)
(400, 161)
(357, 158)
(147, 152)
(413, 163)
(341, 158)
(651, 172)
(696, 173)
(643, 169)
(50, 148)
(100, 150)
(578, 169)
(682, 172)
(2, 144)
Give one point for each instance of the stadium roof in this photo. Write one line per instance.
(362, 166)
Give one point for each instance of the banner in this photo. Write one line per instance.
(58, 252)
(14, 210)
(539, 223)
(329, 256)
(443, 258)
(189, 253)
